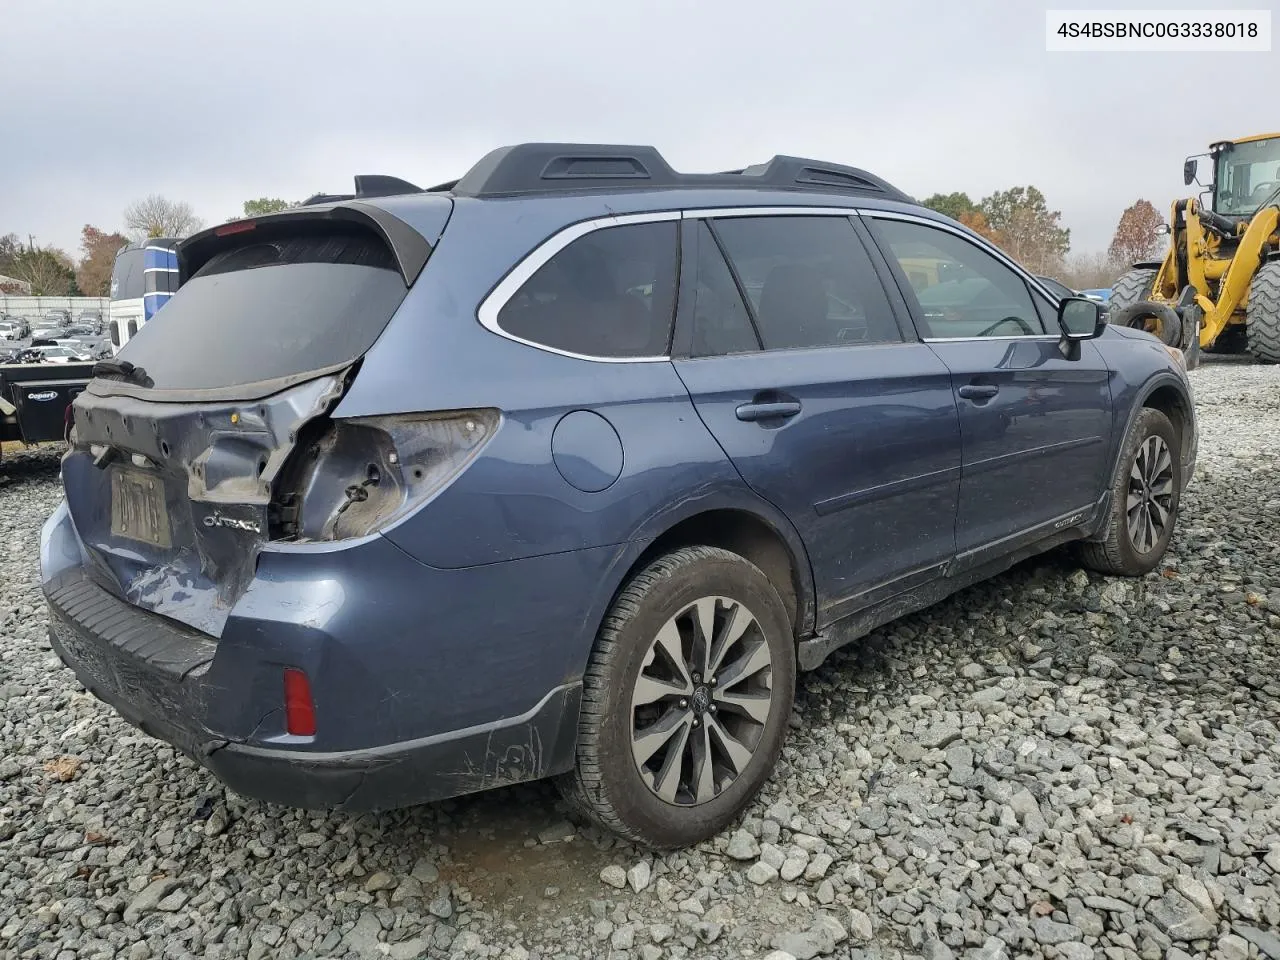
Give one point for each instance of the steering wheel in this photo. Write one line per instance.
(1264, 189)
(1026, 327)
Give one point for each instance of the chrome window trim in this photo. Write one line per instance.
(538, 257)
(1046, 337)
(711, 213)
(984, 246)
(507, 287)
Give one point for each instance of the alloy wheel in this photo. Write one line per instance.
(701, 701)
(1149, 504)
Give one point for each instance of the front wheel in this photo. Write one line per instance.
(1262, 315)
(686, 699)
(1145, 495)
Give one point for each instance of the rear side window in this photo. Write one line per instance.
(270, 309)
(610, 293)
(810, 281)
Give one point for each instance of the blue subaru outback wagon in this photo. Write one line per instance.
(566, 468)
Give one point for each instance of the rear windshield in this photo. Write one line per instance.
(270, 309)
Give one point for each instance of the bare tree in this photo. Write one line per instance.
(154, 216)
(1090, 271)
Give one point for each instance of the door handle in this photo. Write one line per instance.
(978, 391)
(781, 409)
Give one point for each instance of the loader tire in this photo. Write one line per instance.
(1131, 288)
(1262, 315)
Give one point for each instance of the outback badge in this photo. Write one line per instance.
(218, 520)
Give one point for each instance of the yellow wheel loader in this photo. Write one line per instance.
(1218, 287)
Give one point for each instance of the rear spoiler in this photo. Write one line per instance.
(410, 248)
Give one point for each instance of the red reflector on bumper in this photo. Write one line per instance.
(299, 710)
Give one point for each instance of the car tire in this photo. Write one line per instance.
(644, 696)
(1144, 488)
(1262, 314)
(1159, 320)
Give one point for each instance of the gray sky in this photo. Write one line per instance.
(214, 103)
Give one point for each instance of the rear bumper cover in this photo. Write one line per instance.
(412, 708)
(155, 675)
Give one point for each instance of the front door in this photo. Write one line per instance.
(1034, 424)
(800, 370)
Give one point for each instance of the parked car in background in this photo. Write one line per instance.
(46, 332)
(1102, 294)
(17, 326)
(1061, 291)
(573, 463)
(9, 331)
(64, 353)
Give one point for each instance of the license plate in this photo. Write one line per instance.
(138, 509)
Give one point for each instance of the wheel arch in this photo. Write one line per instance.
(770, 542)
(1168, 395)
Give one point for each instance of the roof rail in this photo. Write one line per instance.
(367, 185)
(559, 167)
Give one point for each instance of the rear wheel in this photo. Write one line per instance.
(1145, 494)
(1262, 315)
(686, 699)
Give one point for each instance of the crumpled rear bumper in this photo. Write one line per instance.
(155, 674)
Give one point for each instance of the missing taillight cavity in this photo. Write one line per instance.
(351, 478)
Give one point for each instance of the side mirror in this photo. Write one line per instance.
(1189, 169)
(1081, 318)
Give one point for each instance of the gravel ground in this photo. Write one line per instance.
(1053, 764)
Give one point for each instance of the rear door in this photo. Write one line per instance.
(799, 368)
(1034, 423)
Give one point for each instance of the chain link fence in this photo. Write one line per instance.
(37, 308)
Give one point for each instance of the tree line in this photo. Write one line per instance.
(51, 272)
(1018, 220)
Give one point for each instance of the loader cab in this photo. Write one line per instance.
(1246, 174)
(145, 276)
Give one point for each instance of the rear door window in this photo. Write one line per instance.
(270, 309)
(610, 293)
(809, 280)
